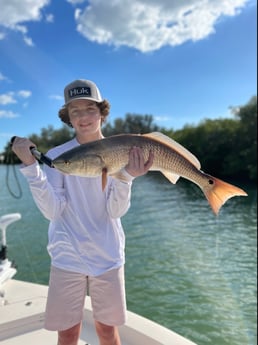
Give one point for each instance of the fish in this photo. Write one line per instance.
(108, 156)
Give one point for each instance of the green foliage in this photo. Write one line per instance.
(50, 137)
(212, 142)
(225, 147)
(247, 134)
(133, 123)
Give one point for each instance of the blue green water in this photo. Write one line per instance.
(186, 269)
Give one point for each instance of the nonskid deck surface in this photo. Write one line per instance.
(22, 321)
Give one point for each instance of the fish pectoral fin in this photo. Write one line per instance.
(104, 178)
(122, 175)
(173, 178)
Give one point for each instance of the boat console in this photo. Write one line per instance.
(7, 267)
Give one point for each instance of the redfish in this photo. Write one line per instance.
(109, 155)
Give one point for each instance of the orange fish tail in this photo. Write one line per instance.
(220, 192)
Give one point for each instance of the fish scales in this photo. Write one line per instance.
(165, 158)
(109, 155)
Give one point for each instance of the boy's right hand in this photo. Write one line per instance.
(21, 147)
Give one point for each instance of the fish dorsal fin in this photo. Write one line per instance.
(175, 146)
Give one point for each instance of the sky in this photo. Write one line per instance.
(180, 61)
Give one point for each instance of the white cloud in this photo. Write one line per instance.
(56, 97)
(50, 18)
(7, 98)
(160, 118)
(10, 97)
(147, 25)
(15, 13)
(76, 2)
(8, 114)
(28, 41)
(2, 77)
(24, 93)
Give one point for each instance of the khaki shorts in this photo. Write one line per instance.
(67, 292)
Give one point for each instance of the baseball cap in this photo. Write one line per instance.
(81, 89)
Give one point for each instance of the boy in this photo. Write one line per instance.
(86, 238)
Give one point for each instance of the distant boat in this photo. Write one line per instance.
(22, 308)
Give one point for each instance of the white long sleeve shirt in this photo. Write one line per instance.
(85, 231)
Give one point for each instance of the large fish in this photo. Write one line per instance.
(109, 155)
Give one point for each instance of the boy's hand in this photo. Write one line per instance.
(21, 147)
(136, 165)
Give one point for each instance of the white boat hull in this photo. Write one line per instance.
(22, 321)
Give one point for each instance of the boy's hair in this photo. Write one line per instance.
(103, 106)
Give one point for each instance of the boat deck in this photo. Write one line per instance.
(22, 317)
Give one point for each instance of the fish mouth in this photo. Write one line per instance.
(61, 164)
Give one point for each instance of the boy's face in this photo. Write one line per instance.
(84, 116)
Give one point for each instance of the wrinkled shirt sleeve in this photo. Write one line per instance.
(49, 198)
(119, 195)
(47, 188)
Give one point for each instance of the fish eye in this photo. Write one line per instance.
(67, 162)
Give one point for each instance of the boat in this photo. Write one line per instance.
(22, 307)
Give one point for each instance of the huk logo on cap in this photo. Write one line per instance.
(79, 91)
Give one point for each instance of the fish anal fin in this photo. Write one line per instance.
(220, 193)
(158, 136)
(173, 178)
(104, 178)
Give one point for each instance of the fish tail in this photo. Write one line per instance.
(220, 192)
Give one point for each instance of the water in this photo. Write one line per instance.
(186, 269)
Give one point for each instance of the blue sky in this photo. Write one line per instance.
(180, 61)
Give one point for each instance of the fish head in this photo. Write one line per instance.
(89, 165)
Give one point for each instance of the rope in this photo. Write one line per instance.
(9, 164)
